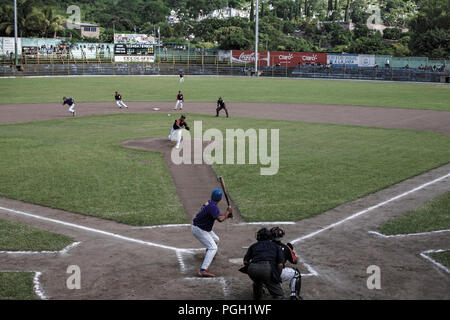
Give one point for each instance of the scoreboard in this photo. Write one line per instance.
(132, 47)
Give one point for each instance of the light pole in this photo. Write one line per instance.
(16, 58)
(256, 37)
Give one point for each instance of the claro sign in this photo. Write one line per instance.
(291, 59)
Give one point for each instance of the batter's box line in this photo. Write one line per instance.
(381, 235)
(437, 264)
(37, 287)
(60, 252)
(223, 282)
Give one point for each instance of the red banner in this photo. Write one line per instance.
(291, 59)
(248, 57)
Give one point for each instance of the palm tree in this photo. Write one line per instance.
(53, 23)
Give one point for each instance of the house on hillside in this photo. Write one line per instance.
(87, 30)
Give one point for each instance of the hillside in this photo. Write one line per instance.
(292, 25)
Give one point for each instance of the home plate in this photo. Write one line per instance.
(156, 109)
(238, 261)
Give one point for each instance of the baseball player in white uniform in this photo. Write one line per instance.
(180, 100)
(177, 129)
(119, 101)
(70, 102)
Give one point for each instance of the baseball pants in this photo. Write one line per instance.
(72, 108)
(179, 103)
(292, 275)
(210, 241)
(177, 134)
(121, 104)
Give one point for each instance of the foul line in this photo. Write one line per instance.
(368, 209)
(407, 234)
(72, 225)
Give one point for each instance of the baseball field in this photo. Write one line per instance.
(363, 179)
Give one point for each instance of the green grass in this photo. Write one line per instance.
(442, 257)
(16, 286)
(433, 215)
(232, 89)
(19, 237)
(78, 164)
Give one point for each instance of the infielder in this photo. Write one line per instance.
(180, 100)
(288, 273)
(177, 130)
(119, 101)
(202, 229)
(220, 106)
(70, 102)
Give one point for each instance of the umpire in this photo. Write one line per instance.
(265, 261)
(220, 106)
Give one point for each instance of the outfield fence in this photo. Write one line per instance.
(312, 71)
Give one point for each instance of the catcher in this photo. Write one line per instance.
(220, 106)
(177, 128)
(288, 273)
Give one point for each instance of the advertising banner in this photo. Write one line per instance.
(247, 57)
(150, 59)
(292, 59)
(350, 60)
(7, 46)
(366, 60)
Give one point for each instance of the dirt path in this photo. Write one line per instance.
(429, 120)
(122, 262)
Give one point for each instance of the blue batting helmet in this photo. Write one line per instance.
(216, 195)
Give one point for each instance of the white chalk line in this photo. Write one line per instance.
(310, 235)
(37, 287)
(378, 234)
(427, 257)
(223, 282)
(105, 233)
(61, 252)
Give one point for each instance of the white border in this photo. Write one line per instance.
(381, 235)
(63, 251)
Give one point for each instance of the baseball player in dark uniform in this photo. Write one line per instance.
(263, 262)
(181, 77)
(180, 100)
(202, 229)
(119, 101)
(71, 103)
(177, 128)
(288, 274)
(220, 106)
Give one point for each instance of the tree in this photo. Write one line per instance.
(232, 38)
(430, 29)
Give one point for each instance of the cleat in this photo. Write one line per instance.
(206, 273)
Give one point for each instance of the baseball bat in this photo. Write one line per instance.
(224, 189)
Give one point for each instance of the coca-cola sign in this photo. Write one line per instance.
(247, 57)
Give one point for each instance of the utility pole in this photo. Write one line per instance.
(256, 37)
(15, 33)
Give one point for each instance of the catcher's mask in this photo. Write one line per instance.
(277, 233)
(263, 234)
